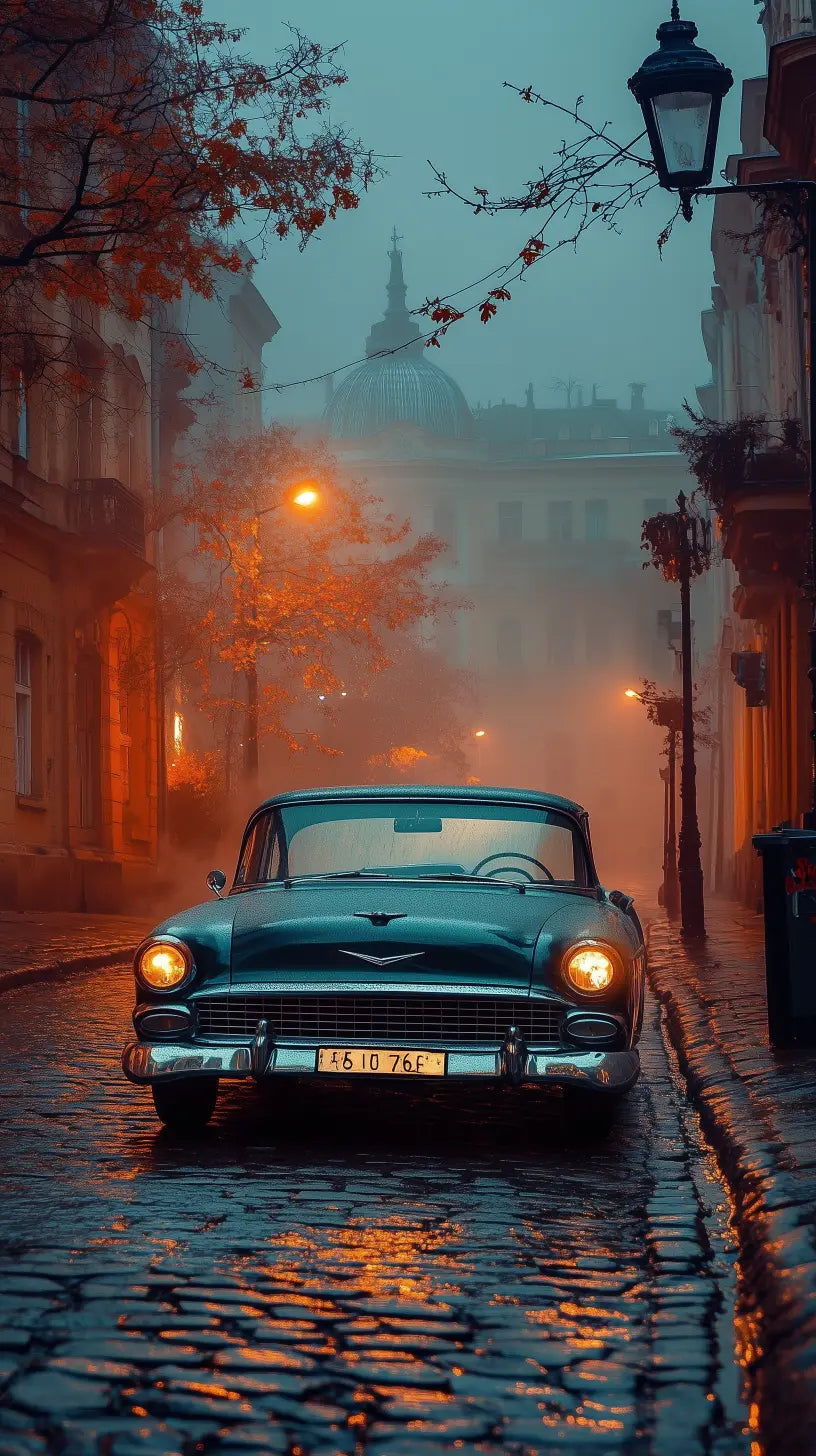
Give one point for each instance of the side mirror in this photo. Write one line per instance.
(216, 880)
(623, 902)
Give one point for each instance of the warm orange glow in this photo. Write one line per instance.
(630, 693)
(162, 966)
(590, 969)
(480, 733)
(307, 496)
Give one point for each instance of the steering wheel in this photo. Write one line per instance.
(515, 869)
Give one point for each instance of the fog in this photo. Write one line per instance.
(425, 82)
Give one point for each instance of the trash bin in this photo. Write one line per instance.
(789, 889)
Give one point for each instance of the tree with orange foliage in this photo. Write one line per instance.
(276, 592)
(133, 135)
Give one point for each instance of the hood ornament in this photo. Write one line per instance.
(380, 917)
(371, 960)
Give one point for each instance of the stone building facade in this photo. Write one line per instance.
(755, 337)
(78, 700)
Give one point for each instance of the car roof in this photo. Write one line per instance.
(473, 793)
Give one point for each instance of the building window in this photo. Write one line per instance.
(511, 520)
(654, 428)
(23, 714)
(597, 520)
(560, 520)
(88, 739)
(563, 432)
(509, 646)
(654, 507)
(561, 644)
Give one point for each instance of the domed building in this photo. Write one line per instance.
(541, 510)
(393, 388)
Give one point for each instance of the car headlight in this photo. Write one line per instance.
(590, 968)
(163, 965)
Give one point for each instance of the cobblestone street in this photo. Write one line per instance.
(339, 1275)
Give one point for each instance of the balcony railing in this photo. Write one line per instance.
(106, 514)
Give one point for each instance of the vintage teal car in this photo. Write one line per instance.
(420, 934)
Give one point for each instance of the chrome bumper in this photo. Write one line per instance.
(598, 1071)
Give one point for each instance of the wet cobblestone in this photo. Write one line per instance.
(759, 1108)
(329, 1273)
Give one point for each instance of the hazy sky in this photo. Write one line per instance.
(425, 81)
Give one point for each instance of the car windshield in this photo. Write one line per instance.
(424, 839)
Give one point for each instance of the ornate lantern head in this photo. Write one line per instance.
(680, 89)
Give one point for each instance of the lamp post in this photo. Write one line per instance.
(666, 710)
(479, 734)
(305, 496)
(680, 546)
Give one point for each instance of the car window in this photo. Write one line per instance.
(414, 839)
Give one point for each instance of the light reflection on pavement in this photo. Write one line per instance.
(329, 1272)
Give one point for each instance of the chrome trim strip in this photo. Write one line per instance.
(388, 988)
(599, 1070)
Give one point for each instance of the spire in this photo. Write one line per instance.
(396, 328)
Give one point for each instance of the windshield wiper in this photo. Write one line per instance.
(477, 879)
(338, 875)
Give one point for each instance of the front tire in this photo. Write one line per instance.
(185, 1105)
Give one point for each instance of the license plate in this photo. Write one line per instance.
(350, 1060)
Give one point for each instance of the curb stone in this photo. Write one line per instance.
(21, 977)
(772, 1216)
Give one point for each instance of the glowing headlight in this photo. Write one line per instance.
(590, 969)
(162, 965)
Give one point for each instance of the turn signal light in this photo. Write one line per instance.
(590, 969)
(162, 966)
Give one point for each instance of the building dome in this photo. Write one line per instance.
(397, 382)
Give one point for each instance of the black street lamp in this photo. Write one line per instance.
(680, 89)
(680, 546)
(666, 711)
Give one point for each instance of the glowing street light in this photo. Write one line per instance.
(480, 733)
(306, 496)
(630, 693)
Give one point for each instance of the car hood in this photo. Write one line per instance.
(440, 935)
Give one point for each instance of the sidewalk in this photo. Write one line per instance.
(44, 942)
(758, 1107)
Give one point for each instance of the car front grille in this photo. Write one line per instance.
(380, 1018)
